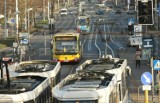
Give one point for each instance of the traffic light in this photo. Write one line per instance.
(145, 12)
(130, 29)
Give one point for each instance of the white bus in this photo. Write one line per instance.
(95, 81)
(83, 23)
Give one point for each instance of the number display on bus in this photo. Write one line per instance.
(65, 38)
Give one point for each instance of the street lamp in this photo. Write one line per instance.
(5, 18)
(30, 9)
(17, 24)
(17, 12)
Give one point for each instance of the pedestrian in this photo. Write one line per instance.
(138, 59)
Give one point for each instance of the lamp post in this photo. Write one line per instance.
(16, 13)
(5, 16)
(44, 10)
(17, 34)
(48, 9)
(25, 17)
(30, 9)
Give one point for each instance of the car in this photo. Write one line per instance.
(100, 12)
(109, 4)
(100, 20)
(63, 11)
(118, 11)
(73, 12)
(131, 12)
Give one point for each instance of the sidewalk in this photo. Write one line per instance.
(134, 81)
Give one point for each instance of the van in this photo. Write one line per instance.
(63, 11)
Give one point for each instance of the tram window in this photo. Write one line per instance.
(47, 95)
(38, 100)
(43, 99)
(53, 81)
(124, 87)
(57, 78)
(31, 101)
(111, 97)
(83, 101)
(120, 98)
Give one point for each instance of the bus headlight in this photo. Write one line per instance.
(55, 59)
(76, 59)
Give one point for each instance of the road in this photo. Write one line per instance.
(95, 45)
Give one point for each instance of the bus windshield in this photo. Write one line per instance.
(65, 45)
(82, 22)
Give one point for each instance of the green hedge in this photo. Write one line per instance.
(2, 46)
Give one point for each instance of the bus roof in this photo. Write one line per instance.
(84, 16)
(66, 34)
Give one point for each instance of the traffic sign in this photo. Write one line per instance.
(24, 38)
(147, 47)
(12, 20)
(147, 42)
(130, 21)
(156, 64)
(159, 8)
(146, 87)
(146, 53)
(24, 41)
(138, 30)
(15, 44)
(146, 78)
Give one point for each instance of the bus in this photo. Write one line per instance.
(100, 80)
(66, 47)
(83, 24)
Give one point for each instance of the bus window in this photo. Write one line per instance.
(82, 22)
